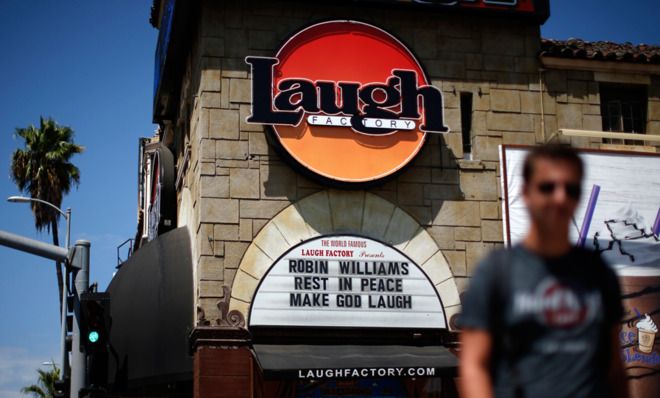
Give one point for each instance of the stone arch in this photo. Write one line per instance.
(331, 212)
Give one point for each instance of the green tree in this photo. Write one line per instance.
(45, 387)
(42, 170)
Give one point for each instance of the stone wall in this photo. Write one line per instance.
(237, 183)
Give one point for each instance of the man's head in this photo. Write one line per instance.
(552, 186)
(555, 152)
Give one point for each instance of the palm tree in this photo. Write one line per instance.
(45, 387)
(43, 171)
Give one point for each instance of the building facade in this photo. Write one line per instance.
(273, 205)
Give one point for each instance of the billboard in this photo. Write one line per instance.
(618, 214)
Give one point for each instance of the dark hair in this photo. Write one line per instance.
(552, 152)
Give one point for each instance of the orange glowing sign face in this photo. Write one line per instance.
(347, 102)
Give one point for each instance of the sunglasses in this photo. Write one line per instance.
(572, 190)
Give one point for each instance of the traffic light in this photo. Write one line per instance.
(95, 324)
(69, 323)
(94, 338)
(61, 388)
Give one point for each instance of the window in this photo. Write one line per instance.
(466, 124)
(623, 109)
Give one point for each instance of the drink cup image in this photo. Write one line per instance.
(647, 330)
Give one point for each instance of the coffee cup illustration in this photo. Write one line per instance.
(646, 330)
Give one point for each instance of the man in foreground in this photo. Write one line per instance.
(542, 318)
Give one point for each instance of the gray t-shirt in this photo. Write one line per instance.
(550, 319)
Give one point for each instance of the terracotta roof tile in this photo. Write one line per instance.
(601, 50)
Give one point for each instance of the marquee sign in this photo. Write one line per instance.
(346, 281)
(347, 101)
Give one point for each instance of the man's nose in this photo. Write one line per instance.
(560, 195)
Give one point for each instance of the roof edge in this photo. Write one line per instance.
(605, 51)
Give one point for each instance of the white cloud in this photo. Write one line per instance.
(18, 368)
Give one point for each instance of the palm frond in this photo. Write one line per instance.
(35, 390)
(45, 387)
(43, 168)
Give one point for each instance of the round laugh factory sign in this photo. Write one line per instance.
(347, 102)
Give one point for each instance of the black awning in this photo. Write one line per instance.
(353, 361)
(152, 314)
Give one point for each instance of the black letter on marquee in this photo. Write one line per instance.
(262, 94)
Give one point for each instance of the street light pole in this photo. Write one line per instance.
(65, 288)
(80, 266)
(65, 296)
(67, 216)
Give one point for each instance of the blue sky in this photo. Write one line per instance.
(89, 64)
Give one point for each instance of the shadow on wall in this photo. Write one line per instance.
(420, 188)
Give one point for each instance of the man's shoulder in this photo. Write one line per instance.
(503, 253)
(589, 257)
(594, 265)
(583, 251)
(492, 260)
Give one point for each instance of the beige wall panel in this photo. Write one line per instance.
(377, 216)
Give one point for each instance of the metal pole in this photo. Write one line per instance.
(23, 199)
(68, 227)
(80, 267)
(63, 334)
(35, 247)
(65, 294)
